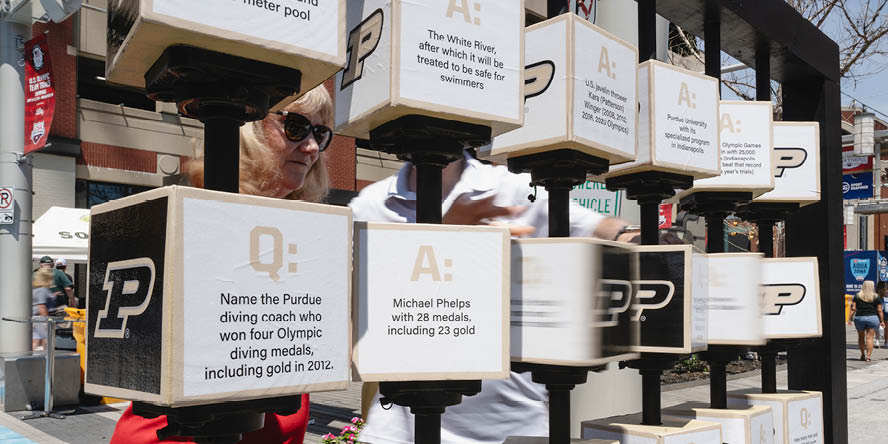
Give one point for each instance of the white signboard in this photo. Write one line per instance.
(797, 163)
(222, 297)
(677, 123)
(582, 97)
(791, 298)
(752, 424)
(673, 430)
(7, 205)
(432, 302)
(455, 60)
(551, 283)
(746, 149)
(671, 293)
(264, 308)
(798, 415)
(734, 304)
(305, 35)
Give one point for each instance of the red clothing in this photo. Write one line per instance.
(132, 429)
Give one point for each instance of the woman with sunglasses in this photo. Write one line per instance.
(280, 156)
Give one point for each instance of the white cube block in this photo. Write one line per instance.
(749, 424)
(453, 60)
(553, 283)
(671, 293)
(791, 298)
(545, 440)
(432, 302)
(798, 415)
(581, 93)
(677, 123)
(735, 302)
(797, 163)
(628, 430)
(747, 153)
(199, 297)
(308, 36)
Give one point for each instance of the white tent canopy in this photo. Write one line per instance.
(62, 233)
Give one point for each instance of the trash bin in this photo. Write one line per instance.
(79, 329)
(848, 299)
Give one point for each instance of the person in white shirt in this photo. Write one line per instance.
(475, 193)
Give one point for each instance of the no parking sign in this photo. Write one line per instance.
(7, 210)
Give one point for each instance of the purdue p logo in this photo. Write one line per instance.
(362, 41)
(777, 296)
(789, 158)
(127, 287)
(652, 295)
(537, 78)
(616, 295)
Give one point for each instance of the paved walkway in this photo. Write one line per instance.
(867, 403)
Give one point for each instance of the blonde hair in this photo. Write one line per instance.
(257, 165)
(42, 278)
(868, 292)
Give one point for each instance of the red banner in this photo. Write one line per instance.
(39, 93)
(665, 216)
(855, 164)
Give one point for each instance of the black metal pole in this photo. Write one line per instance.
(650, 222)
(559, 213)
(221, 154)
(428, 428)
(712, 38)
(650, 404)
(428, 193)
(715, 233)
(647, 30)
(718, 384)
(769, 369)
(559, 416)
(763, 72)
(766, 237)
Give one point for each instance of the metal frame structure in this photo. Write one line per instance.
(773, 36)
(806, 62)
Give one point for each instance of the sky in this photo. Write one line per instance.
(871, 90)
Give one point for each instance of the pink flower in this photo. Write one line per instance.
(356, 420)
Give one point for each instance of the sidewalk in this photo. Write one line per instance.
(867, 402)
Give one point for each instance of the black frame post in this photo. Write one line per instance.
(819, 364)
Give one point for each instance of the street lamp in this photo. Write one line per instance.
(863, 134)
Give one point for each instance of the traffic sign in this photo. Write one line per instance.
(7, 207)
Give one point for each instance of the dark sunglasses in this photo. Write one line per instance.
(297, 128)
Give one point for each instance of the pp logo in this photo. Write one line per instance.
(616, 295)
(128, 287)
(362, 41)
(788, 158)
(777, 296)
(846, 187)
(652, 295)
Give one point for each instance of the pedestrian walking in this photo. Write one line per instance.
(866, 312)
(42, 301)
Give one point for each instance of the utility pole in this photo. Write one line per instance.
(15, 171)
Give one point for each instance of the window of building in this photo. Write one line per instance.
(91, 85)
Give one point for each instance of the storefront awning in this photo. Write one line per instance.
(62, 233)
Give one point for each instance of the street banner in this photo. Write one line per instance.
(852, 163)
(860, 266)
(857, 186)
(39, 93)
